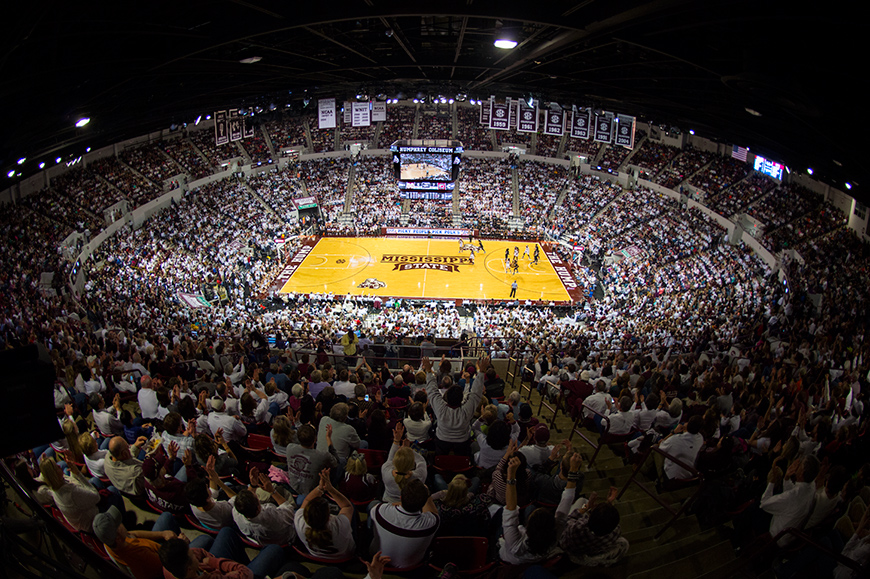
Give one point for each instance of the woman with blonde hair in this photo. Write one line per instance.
(76, 500)
(73, 451)
(282, 434)
(95, 459)
(358, 485)
(462, 511)
(402, 464)
(326, 535)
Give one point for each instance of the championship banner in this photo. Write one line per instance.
(513, 113)
(624, 131)
(221, 133)
(498, 116)
(554, 123)
(528, 119)
(247, 129)
(379, 111)
(326, 114)
(604, 127)
(235, 125)
(193, 300)
(484, 113)
(347, 116)
(360, 116)
(580, 124)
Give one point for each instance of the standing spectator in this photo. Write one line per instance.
(404, 531)
(452, 432)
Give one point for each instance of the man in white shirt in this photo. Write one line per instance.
(233, 428)
(684, 444)
(597, 401)
(344, 436)
(622, 421)
(404, 531)
(107, 421)
(148, 397)
(265, 524)
(343, 386)
(791, 507)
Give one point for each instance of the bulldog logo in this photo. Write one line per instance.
(372, 283)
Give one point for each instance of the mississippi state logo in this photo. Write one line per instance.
(603, 127)
(527, 115)
(623, 130)
(499, 112)
(340, 260)
(581, 122)
(372, 283)
(554, 119)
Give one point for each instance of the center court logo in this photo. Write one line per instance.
(449, 263)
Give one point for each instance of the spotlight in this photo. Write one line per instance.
(88, 150)
(753, 112)
(196, 122)
(251, 60)
(208, 117)
(810, 170)
(82, 122)
(57, 160)
(691, 131)
(848, 185)
(505, 43)
(531, 101)
(450, 101)
(42, 165)
(11, 173)
(388, 32)
(21, 160)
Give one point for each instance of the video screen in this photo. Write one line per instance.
(768, 167)
(426, 167)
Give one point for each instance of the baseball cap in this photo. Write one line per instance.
(106, 525)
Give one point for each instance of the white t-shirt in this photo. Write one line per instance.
(342, 537)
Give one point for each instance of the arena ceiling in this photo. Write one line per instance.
(711, 66)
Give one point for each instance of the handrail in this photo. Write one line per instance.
(696, 475)
(594, 444)
(808, 540)
(52, 526)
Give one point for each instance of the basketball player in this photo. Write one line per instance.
(537, 254)
(526, 252)
(515, 266)
(480, 246)
(507, 252)
(507, 264)
(460, 246)
(516, 252)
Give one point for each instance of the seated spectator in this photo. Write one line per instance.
(538, 452)
(358, 485)
(124, 471)
(138, 550)
(790, 507)
(326, 535)
(591, 534)
(684, 444)
(282, 433)
(417, 424)
(530, 543)
(76, 500)
(462, 510)
(304, 462)
(344, 437)
(219, 418)
(403, 531)
(209, 557)
(162, 488)
(379, 433)
(107, 422)
(95, 459)
(493, 443)
(264, 524)
(402, 465)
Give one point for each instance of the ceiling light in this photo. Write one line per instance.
(505, 43)
(531, 101)
(196, 122)
(88, 150)
(251, 60)
(42, 165)
(21, 160)
(11, 173)
(810, 170)
(57, 160)
(450, 101)
(82, 121)
(208, 117)
(691, 131)
(753, 112)
(837, 163)
(848, 185)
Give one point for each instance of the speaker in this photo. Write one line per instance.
(27, 394)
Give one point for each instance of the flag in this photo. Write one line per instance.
(739, 153)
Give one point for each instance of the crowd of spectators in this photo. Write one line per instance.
(258, 148)
(323, 140)
(135, 187)
(436, 125)
(398, 126)
(737, 197)
(514, 137)
(653, 156)
(687, 162)
(687, 324)
(547, 145)
(589, 148)
(216, 155)
(287, 132)
(474, 137)
(185, 155)
(376, 200)
(87, 190)
(151, 162)
(613, 157)
(278, 189)
(349, 133)
(720, 174)
(539, 186)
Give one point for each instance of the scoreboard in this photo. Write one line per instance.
(426, 169)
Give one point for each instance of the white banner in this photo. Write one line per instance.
(528, 122)
(554, 122)
(361, 115)
(326, 114)
(441, 232)
(347, 114)
(379, 111)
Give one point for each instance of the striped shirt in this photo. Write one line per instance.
(402, 536)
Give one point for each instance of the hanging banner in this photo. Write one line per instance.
(604, 127)
(379, 111)
(360, 116)
(498, 116)
(513, 113)
(554, 123)
(234, 123)
(484, 113)
(347, 115)
(580, 124)
(247, 128)
(624, 131)
(326, 114)
(221, 133)
(528, 119)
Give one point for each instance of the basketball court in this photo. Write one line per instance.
(418, 171)
(423, 268)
